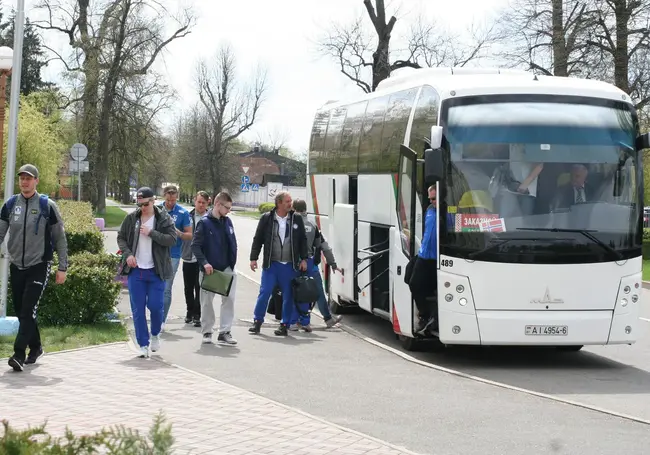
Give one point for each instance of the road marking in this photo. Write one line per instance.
(470, 377)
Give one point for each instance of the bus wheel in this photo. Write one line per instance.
(569, 348)
(410, 344)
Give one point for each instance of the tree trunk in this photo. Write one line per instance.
(560, 55)
(621, 57)
(380, 61)
(89, 121)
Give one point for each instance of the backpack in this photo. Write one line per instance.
(43, 202)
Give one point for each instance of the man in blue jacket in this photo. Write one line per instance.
(424, 279)
(215, 248)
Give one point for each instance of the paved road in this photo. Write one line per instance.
(339, 377)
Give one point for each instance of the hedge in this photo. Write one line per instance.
(266, 207)
(90, 292)
(81, 232)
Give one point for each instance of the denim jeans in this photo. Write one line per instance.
(146, 291)
(168, 287)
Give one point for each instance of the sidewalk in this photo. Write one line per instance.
(98, 387)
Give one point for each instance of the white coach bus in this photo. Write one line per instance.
(552, 260)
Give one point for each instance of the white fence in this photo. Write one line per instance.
(267, 194)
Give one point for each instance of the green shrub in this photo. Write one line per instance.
(266, 207)
(82, 233)
(117, 440)
(646, 235)
(89, 294)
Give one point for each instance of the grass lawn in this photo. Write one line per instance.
(113, 216)
(646, 269)
(256, 215)
(71, 337)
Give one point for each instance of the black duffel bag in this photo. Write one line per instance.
(305, 289)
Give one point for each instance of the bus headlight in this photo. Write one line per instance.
(635, 298)
(449, 297)
(462, 301)
(460, 288)
(626, 289)
(623, 302)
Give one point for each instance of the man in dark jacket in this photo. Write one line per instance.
(215, 248)
(145, 239)
(191, 266)
(282, 233)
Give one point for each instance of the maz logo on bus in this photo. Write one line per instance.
(546, 299)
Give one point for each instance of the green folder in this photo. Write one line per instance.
(218, 282)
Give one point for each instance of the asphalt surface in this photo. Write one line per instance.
(344, 379)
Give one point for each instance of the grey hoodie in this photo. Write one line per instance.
(316, 242)
(27, 245)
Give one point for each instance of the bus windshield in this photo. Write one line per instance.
(541, 180)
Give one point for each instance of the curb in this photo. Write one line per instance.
(84, 348)
(645, 284)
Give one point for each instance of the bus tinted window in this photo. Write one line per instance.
(317, 144)
(395, 121)
(333, 139)
(369, 147)
(347, 158)
(426, 116)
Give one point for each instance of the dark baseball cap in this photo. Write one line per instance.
(145, 192)
(28, 169)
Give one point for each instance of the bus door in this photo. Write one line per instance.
(403, 241)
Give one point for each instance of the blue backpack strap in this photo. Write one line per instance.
(11, 202)
(43, 202)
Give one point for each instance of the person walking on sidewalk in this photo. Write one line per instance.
(36, 230)
(181, 219)
(145, 238)
(282, 234)
(215, 248)
(316, 244)
(190, 264)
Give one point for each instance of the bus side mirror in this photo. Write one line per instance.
(436, 137)
(643, 142)
(433, 166)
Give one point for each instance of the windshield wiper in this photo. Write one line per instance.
(492, 247)
(584, 232)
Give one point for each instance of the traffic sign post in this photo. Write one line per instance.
(245, 179)
(78, 153)
(245, 187)
(255, 187)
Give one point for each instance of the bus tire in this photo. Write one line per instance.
(574, 348)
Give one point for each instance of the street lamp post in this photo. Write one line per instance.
(10, 325)
(6, 57)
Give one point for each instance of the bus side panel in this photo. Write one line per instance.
(402, 307)
(376, 198)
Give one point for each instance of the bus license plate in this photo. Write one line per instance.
(558, 330)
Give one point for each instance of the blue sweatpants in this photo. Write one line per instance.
(322, 301)
(281, 275)
(146, 290)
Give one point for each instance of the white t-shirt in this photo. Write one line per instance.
(282, 222)
(521, 168)
(143, 254)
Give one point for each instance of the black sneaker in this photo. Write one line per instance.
(257, 326)
(423, 325)
(188, 318)
(16, 363)
(226, 338)
(281, 331)
(33, 356)
(197, 322)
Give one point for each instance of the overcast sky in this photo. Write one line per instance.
(281, 35)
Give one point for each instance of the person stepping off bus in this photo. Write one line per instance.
(282, 233)
(424, 282)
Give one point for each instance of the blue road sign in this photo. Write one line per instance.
(255, 187)
(245, 187)
(245, 179)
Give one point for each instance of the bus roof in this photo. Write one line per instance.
(489, 81)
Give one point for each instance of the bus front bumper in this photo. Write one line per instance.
(538, 328)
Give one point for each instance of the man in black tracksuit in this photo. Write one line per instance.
(282, 233)
(33, 237)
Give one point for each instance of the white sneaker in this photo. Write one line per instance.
(294, 327)
(226, 338)
(335, 319)
(162, 327)
(144, 352)
(207, 338)
(155, 343)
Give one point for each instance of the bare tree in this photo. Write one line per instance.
(275, 139)
(111, 40)
(366, 57)
(547, 36)
(622, 38)
(230, 108)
